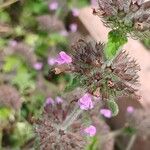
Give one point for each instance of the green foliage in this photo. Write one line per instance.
(32, 104)
(129, 130)
(31, 39)
(93, 143)
(45, 41)
(79, 4)
(56, 38)
(74, 82)
(36, 7)
(2, 43)
(4, 17)
(23, 80)
(146, 42)
(5, 113)
(116, 39)
(11, 63)
(22, 133)
(113, 106)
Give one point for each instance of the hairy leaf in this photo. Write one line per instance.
(116, 39)
(113, 106)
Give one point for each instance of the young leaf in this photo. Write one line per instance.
(93, 144)
(74, 82)
(116, 39)
(4, 113)
(113, 106)
(11, 63)
(23, 80)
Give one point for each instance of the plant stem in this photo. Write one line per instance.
(131, 142)
(71, 118)
(113, 134)
(1, 135)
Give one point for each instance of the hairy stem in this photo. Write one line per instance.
(131, 142)
(111, 135)
(71, 118)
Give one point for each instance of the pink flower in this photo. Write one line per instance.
(59, 100)
(51, 61)
(75, 12)
(106, 113)
(63, 33)
(130, 109)
(13, 43)
(49, 101)
(53, 5)
(94, 2)
(85, 102)
(73, 27)
(91, 130)
(63, 58)
(38, 66)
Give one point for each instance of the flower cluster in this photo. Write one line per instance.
(50, 23)
(63, 58)
(91, 130)
(49, 131)
(85, 102)
(97, 76)
(129, 16)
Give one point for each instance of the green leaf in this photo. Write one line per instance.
(93, 144)
(23, 80)
(4, 113)
(56, 38)
(113, 106)
(73, 83)
(129, 130)
(22, 133)
(4, 17)
(10, 63)
(116, 39)
(31, 39)
(2, 43)
(146, 42)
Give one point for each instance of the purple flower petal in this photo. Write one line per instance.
(91, 130)
(75, 12)
(63, 58)
(49, 101)
(53, 5)
(63, 33)
(38, 66)
(130, 109)
(94, 2)
(106, 113)
(59, 100)
(13, 43)
(73, 27)
(85, 102)
(51, 61)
